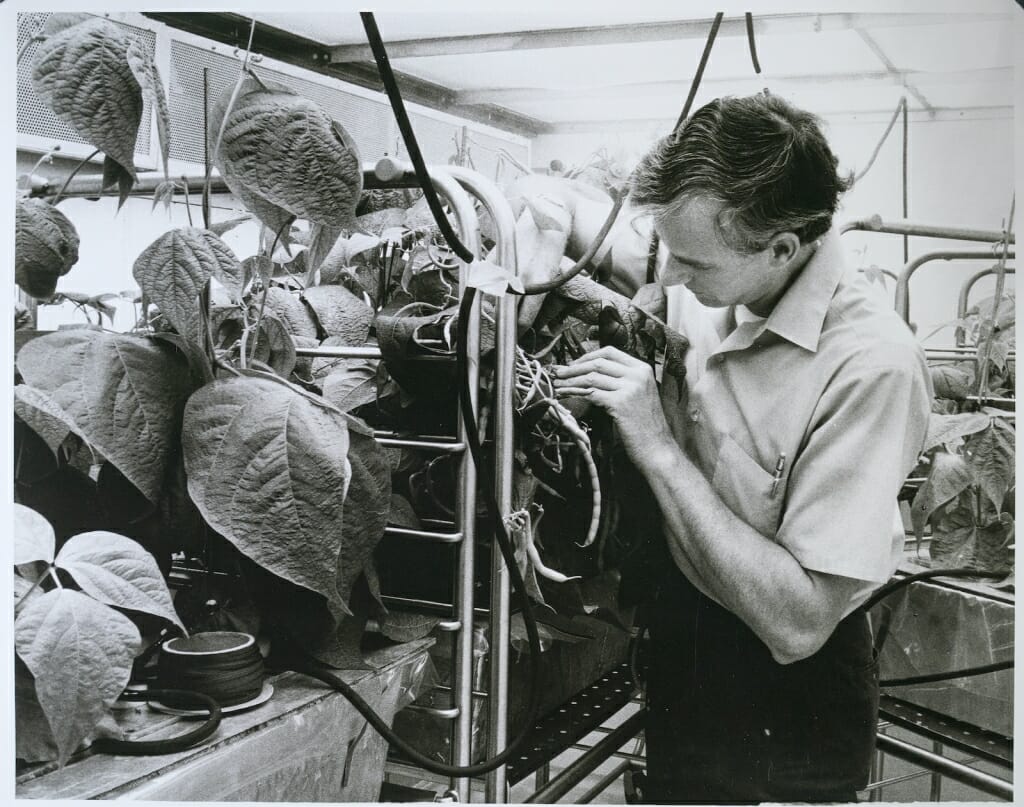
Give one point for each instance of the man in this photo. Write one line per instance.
(776, 470)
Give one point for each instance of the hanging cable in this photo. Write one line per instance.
(652, 249)
(473, 442)
(751, 44)
(878, 147)
(685, 113)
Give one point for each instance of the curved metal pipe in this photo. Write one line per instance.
(875, 224)
(496, 790)
(946, 767)
(465, 501)
(965, 293)
(903, 284)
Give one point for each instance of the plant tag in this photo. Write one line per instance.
(492, 279)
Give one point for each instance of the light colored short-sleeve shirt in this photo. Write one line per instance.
(807, 422)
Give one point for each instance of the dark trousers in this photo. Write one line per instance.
(727, 724)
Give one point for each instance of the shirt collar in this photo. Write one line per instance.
(800, 314)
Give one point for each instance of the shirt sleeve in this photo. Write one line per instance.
(865, 438)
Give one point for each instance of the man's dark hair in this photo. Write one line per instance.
(766, 161)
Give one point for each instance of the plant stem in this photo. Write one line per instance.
(71, 176)
(28, 593)
(28, 42)
(259, 320)
(188, 207)
(983, 357)
(52, 571)
(227, 112)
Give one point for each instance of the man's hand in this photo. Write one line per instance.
(625, 388)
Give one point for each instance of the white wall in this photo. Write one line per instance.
(960, 174)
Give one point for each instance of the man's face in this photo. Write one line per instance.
(717, 274)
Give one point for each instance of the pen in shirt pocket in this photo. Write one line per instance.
(780, 466)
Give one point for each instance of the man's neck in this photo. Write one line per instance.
(764, 306)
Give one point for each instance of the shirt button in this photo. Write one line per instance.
(694, 414)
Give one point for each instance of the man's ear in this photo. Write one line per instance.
(782, 248)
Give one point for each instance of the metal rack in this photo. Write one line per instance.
(455, 186)
(941, 730)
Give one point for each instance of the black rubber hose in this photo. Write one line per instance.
(902, 582)
(473, 441)
(171, 745)
(930, 678)
(751, 43)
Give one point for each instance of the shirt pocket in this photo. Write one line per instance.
(746, 488)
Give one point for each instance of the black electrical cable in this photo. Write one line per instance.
(895, 585)
(171, 745)
(700, 72)
(652, 248)
(473, 441)
(930, 678)
(751, 43)
(902, 582)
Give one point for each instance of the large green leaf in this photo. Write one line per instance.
(367, 505)
(953, 381)
(33, 738)
(992, 457)
(269, 470)
(173, 269)
(290, 310)
(45, 247)
(943, 429)
(80, 653)
(340, 313)
(144, 69)
(125, 393)
(352, 385)
(950, 474)
(44, 416)
(406, 626)
(118, 571)
(286, 150)
(82, 72)
(33, 536)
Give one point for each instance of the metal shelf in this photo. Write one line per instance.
(986, 745)
(562, 728)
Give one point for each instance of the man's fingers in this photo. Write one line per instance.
(594, 364)
(588, 381)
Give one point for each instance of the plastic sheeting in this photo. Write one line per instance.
(934, 628)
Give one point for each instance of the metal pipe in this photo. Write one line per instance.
(465, 498)
(414, 602)
(426, 535)
(444, 447)
(339, 352)
(579, 770)
(947, 767)
(938, 354)
(505, 329)
(965, 293)
(361, 352)
(442, 712)
(903, 284)
(875, 224)
(149, 181)
(604, 782)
